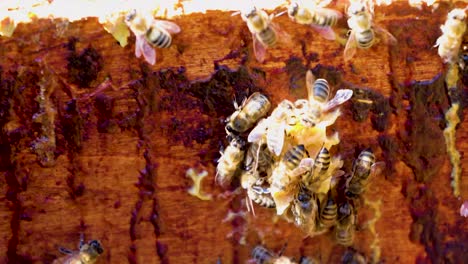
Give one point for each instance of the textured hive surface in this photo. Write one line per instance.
(116, 171)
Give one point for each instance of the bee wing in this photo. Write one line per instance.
(341, 97)
(282, 35)
(258, 131)
(350, 48)
(171, 27)
(328, 12)
(377, 169)
(275, 138)
(325, 32)
(259, 49)
(142, 46)
(304, 166)
(388, 38)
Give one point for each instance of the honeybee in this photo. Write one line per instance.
(273, 128)
(265, 33)
(317, 16)
(261, 255)
(363, 31)
(363, 167)
(345, 226)
(285, 176)
(316, 108)
(245, 116)
(328, 212)
(324, 171)
(452, 33)
(149, 33)
(87, 254)
(230, 161)
(304, 209)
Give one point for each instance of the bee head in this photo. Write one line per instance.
(356, 8)
(231, 130)
(292, 9)
(96, 246)
(130, 15)
(251, 13)
(345, 210)
(457, 14)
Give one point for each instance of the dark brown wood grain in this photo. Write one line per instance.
(122, 153)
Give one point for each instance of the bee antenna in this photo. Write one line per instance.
(280, 253)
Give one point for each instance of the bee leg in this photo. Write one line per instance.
(249, 204)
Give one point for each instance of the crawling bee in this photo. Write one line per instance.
(285, 176)
(363, 167)
(149, 33)
(363, 31)
(304, 210)
(273, 128)
(245, 116)
(328, 212)
(316, 108)
(230, 161)
(452, 33)
(87, 254)
(345, 227)
(317, 16)
(264, 32)
(261, 255)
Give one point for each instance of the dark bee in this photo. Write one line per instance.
(363, 167)
(245, 116)
(345, 227)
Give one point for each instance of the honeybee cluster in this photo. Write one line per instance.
(283, 160)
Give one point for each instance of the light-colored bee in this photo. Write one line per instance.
(272, 130)
(305, 209)
(345, 227)
(328, 212)
(316, 109)
(245, 116)
(315, 15)
(149, 33)
(452, 33)
(363, 167)
(363, 31)
(87, 254)
(261, 255)
(230, 161)
(265, 33)
(286, 175)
